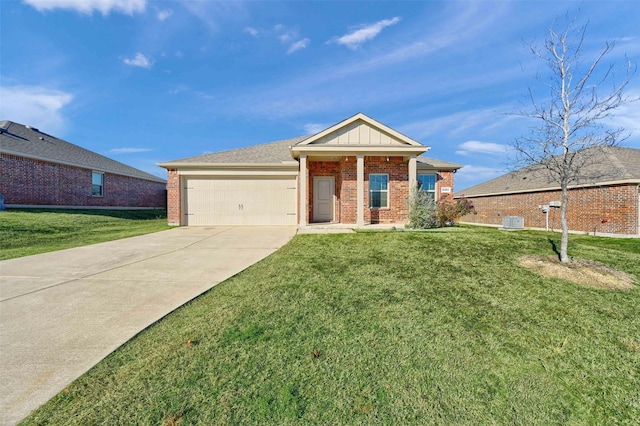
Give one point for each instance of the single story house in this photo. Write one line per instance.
(605, 201)
(40, 170)
(356, 172)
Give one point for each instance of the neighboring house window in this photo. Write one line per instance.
(379, 190)
(427, 183)
(97, 187)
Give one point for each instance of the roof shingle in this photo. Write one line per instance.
(18, 139)
(606, 164)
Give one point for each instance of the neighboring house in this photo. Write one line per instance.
(356, 172)
(41, 170)
(606, 200)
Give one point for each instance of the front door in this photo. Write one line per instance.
(323, 198)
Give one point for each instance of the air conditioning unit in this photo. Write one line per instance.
(513, 222)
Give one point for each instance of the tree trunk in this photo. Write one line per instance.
(564, 257)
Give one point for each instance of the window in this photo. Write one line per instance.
(97, 184)
(427, 183)
(379, 190)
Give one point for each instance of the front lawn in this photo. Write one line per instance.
(392, 328)
(24, 232)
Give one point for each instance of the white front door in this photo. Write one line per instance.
(323, 198)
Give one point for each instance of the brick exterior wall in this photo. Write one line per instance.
(35, 182)
(607, 209)
(173, 198)
(445, 179)
(344, 173)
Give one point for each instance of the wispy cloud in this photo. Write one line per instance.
(139, 60)
(365, 33)
(105, 7)
(313, 128)
(474, 173)
(128, 150)
(36, 106)
(163, 14)
(298, 45)
(477, 147)
(252, 31)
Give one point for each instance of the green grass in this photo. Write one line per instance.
(32, 231)
(389, 328)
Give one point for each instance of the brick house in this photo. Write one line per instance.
(605, 201)
(356, 172)
(40, 170)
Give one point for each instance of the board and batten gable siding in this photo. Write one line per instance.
(358, 133)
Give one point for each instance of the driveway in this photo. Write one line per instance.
(62, 312)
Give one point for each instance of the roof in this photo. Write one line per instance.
(606, 165)
(269, 153)
(432, 163)
(26, 141)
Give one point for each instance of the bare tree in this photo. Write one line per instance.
(572, 120)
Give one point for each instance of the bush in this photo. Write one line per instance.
(448, 211)
(422, 210)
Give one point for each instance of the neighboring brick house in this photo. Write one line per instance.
(356, 172)
(606, 201)
(40, 170)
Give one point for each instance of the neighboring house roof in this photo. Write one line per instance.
(606, 165)
(25, 141)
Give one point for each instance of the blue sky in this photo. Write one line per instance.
(149, 81)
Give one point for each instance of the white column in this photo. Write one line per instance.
(413, 172)
(303, 189)
(360, 190)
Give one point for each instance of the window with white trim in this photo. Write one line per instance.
(427, 183)
(378, 190)
(97, 184)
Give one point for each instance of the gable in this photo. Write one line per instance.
(358, 133)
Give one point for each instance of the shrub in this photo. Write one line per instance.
(448, 211)
(422, 210)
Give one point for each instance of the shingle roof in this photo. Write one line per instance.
(275, 153)
(18, 139)
(606, 164)
(268, 153)
(437, 164)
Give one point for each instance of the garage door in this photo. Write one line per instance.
(239, 201)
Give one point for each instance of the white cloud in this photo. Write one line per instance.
(477, 174)
(139, 60)
(163, 14)
(35, 106)
(128, 7)
(471, 147)
(252, 31)
(313, 128)
(128, 150)
(300, 44)
(365, 33)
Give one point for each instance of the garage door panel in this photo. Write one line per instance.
(240, 201)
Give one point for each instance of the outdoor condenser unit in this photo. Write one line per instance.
(513, 222)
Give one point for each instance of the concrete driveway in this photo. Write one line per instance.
(62, 312)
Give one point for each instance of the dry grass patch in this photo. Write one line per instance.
(579, 271)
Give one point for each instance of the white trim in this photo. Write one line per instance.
(81, 166)
(302, 191)
(370, 121)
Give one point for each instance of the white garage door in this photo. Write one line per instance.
(239, 201)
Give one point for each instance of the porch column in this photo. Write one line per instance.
(360, 189)
(413, 172)
(303, 190)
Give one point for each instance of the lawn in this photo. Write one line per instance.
(32, 231)
(393, 328)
